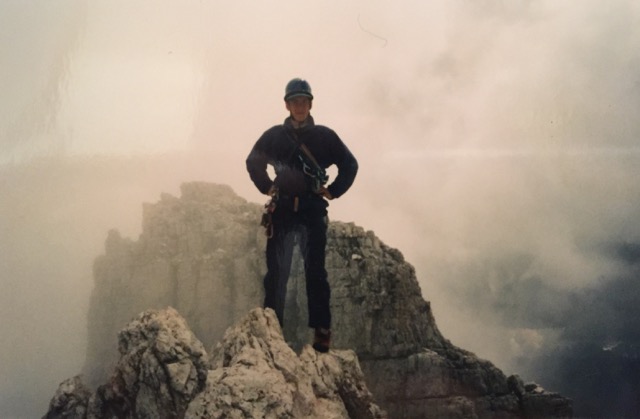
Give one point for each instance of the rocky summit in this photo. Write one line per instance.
(163, 371)
(203, 254)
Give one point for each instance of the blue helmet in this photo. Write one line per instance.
(297, 87)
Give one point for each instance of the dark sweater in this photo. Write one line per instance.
(278, 147)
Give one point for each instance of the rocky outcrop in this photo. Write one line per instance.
(200, 254)
(537, 402)
(164, 372)
(70, 401)
(162, 367)
(203, 254)
(257, 375)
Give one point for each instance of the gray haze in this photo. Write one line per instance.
(498, 144)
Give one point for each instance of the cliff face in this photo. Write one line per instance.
(203, 253)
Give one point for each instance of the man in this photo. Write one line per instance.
(299, 152)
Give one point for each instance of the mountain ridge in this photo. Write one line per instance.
(203, 254)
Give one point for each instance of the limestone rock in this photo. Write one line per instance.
(203, 253)
(162, 367)
(539, 403)
(163, 373)
(70, 401)
(258, 375)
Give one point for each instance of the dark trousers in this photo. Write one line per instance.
(308, 227)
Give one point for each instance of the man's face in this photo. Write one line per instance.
(299, 108)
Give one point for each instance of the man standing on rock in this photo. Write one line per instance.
(300, 151)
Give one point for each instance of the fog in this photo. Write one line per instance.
(497, 142)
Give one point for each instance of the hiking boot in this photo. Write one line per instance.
(322, 340)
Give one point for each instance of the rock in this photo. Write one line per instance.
(258, 375)
(255, 374)
(163, 373)
(162, 367)
(70, 401)
(516, 385)
(203, 253)
(346, 383)
(538, 403)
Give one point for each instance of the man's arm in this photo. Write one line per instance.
(347, 170)
(257, 166)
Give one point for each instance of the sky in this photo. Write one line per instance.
(497, 142)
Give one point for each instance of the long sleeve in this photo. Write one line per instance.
(347, 170)
(277, 147)
(257, 165)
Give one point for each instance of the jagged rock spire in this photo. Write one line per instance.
(164, 372)
(203, 253)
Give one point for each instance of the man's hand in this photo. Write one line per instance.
(325, 193)
(273, 191)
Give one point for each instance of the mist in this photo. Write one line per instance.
(497, 144)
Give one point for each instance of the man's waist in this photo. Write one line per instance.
(301, 202)
(298, 195)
